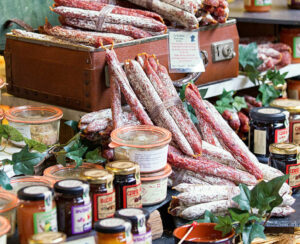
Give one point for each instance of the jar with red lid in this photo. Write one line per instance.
(291, 37)
(257, 5)
(36, 211)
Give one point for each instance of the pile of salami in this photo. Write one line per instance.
(219, 157)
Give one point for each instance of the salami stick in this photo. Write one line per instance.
(126, 30)
(152, 102)
(170, 12)
(203, 165)
(97, 125)
(116, 103)
(179, 176)
(168, 93)
(190, 6)
(97, 6)
(194, 98)
(90, 117)
(130, 97)
(141, 22)
(76, 36)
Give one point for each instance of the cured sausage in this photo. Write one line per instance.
(116, 106)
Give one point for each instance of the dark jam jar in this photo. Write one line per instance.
(74, 212)
(267, 126)
(283, 156)
(127, 183)
(101, 192)
(141, 230)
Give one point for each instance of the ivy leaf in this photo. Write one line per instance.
(248, 55)
(244, 198)
(255, 218)
(252, 231)
(9, 132)
(253, 74)
(76, 155)
(242, 216)
(239, 103)
(203, 92)
(224, 225)
(94, 157)
(5, 181)
(227, 96)
(268, 94)
(73, 124)
(191, 112)
(209, 217)
(35, 145)
(276, 77)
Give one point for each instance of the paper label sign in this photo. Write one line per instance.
(184, 52)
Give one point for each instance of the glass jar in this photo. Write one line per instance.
(127, 183)
(283, 156)
(8, 209)
(146, 145)
(257, 5)
(4, 229)
(293, 106)
(141, 229)
(48, 238)
(267, 126)
(74, 211)
(40, 123)
(294, 88)
(102, 193)
(113, 231)
(60, 172)
(294, 4)
(291, 37)
(36, 211)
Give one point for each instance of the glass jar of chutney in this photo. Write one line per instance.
(48, 238)
(102, 193)
(36, 212)
(127, 183)
(113, 231)
(141, 229)
(267, 125)
(74, 211)
(283, 156)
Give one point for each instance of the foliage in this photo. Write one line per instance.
(255, 206)
(228, 102)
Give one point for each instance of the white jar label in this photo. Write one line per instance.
(45, 221)
(143, 238)
(151, 160)
(81, 218)
(260, 142)
(154, 191)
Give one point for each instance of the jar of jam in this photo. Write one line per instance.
(74, 211)
(48, 238)
(36, 212)
(101, 192)
(257, 5)
(283, 156)
(294, 88)
(267, 126)
(113, 231)
(294, 4)
(127, 183)
(141, 229)
(291, 37)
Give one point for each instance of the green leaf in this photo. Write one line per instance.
(191, 112)
(32, 144)
(227, 96)
(268, 94)
(9, 132)
(94, 157)
(224, 225)
(253, 74)
(244, 198)
(209, 217)
(203, 92)
(73, 124)
(242, 216)
(76, 155)
(239, 103)
(5, 181)
(255, 218)
(248, 55)
(252, 231)
(276, 77)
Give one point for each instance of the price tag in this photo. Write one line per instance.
(184, 52)
(86, 240)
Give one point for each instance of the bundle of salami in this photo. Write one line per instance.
(219, 158)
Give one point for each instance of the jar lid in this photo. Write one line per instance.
(4, 226)
(140, 136)
(165, 172)
(123, 167)
(97, 176)
(71, 186)
(133, 214)
(291, 105)
(34, 193)
(267, 114)
(48, 238)
(8, 201)
(283, 148)
(113, 225)
(33, 114)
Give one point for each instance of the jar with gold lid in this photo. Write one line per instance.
(283, 156)
(102, 193)
(127, 183)
(48, 238)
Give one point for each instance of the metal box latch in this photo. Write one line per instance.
(222, 50)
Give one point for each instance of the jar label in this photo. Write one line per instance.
(281, 135)
(262, 2)
(154, 191)
(295, 132)
(45, 221)
(145, 238)
(294, 171)
(104, 205)
(81, 218)
(150, 160)
(132, 196)
(260, 141)
(296, 47)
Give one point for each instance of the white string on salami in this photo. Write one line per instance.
(160, 108)
(102, 16)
